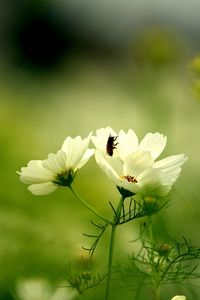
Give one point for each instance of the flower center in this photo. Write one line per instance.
(130, 178)
(66, 178)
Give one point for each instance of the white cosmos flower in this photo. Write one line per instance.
(44, 176)
(179, 297)
(132, 166)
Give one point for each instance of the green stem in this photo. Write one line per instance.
(111, 251)
(157, 293)
(88, 206)
(118, 210)
(155, 281)
(112, 243)
(151, 235)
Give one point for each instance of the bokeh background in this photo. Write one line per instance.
(68, 68)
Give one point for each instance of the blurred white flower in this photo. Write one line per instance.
(44, 176)
(41, 289)
(131, 165)
(179, 298)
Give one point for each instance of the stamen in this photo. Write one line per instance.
(130, 178)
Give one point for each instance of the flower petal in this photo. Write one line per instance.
(154, 143)
(107, 168)
(42, 188)
(136, 163)
(75, 149)
(56, 163)
(150, 182)
(86, 156)
(170, 168)
(170, 162)
(35, 173)
(127, 143)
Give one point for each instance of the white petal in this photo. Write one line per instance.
(69, 147)
(170, 168)
(107, 168)
(136, 163)
(34, 163)
(101, 138)
(35, 173)
(150, 182)
(86, 156)
(74, 149)
(55, 162)
(127, 143)
(170, 162)
(153, 142)
(42, 188)
(116, 163)
(169, 178)
(82, 154)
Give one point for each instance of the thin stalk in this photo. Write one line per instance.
(81, 296)
(88, 206)
(157, 293)
(155, 279)
(112, 243)
(151, 235)
(111, 251)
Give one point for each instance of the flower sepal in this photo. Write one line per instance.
(125, 193)
(65, 179)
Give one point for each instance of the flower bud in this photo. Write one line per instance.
(164, 249)
(150, 205)
(86, 275)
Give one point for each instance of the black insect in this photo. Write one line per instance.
(111, 145)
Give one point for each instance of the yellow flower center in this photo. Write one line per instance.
(130, 178)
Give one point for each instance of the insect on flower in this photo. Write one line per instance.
(135, 168)
(111, 145)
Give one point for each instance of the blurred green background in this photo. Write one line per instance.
(68, 68)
